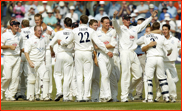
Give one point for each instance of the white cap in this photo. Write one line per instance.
(44, 1)
(61, 3)
(101, 2)
(167, 15)
(151, 6)
(90, 17)
(136, 11)
(167, 19)
(49, 11)
(133, 15)
(31, 7)
(72, 8)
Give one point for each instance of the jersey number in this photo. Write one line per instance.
(27, 36)
(86, 33)
(152, 39)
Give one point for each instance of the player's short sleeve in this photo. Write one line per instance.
(28, 46)
(3, 39)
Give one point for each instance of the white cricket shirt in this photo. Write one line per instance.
(83, 36)
(64, 34)
(128, 37)
(26, 33)
(8, 38)
(161, 44)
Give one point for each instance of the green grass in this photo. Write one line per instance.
(131, 105)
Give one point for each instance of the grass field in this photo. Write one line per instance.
(131, 105)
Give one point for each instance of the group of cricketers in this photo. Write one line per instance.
(86, 56)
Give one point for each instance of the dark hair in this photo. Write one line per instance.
(68, 22)
(84, 19)
(36, 27)
(167, 25)
(92, 21)
(155, 26)
(142, 19)
(74, 25)
(25, 23)
(38, 15)
(103, 18)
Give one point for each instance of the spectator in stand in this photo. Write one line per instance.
(170, 22)
(113, 6)
(100, 15)
(58, 16)
(72, 14)
(44, 8)
(19, 10)
(162, 15)
(178, 7)
(66, 5)
(98, 6)
(137, 15)
(58, 27)
(151, 9)
(132, 7)
(6, 11)
(50, 20)
(30, 16)
(30, 4)
(124, 10)
(133, 22)
(55, 6)
(162, 5)
(143, 9)
(155, 7)
(36, 3)
(63, 9)
(171, 9)
(79, 9)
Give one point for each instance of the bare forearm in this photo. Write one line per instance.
(145, 48)
(5, 47)
(108, 46)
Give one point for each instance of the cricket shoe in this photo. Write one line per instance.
(157, 99)
(58, 97)
(95, 100)
(150, 101)
(17, 96)
(124, 100)
(173, 100)
(137, 97)
(37, 97)
(166, 99)
(130, 96)
(31, 99)
(10, 99)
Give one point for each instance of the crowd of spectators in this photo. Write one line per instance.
(54, 14)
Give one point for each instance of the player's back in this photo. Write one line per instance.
(26, 33)
(83, 37)
(157, 50)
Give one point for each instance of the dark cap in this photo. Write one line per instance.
(14, 23)
(164, 8)
(126, 17)
(75, 24)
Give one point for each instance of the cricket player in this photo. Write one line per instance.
(64, 62)
(25, 33)
(96, 71)
(35, 54)
(169, 64)
(11, 43)
(129, 60)
(154, 45)
(48, 31)
(108, 37)
(83, 37)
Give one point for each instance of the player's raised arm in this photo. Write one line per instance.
(141, 27)
(101, 45)
(115, 23)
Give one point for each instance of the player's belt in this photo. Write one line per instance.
(139, 54)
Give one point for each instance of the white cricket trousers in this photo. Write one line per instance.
(73, 87)
(139, 87)
(49, 68)
(95, 83)
(130, 64)
(105, 65)
(10, 79)
(84, 68)
(63, 69)
(115, 77)
(22, 87)
(41, 71)
(172, 79)
(156, 64)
